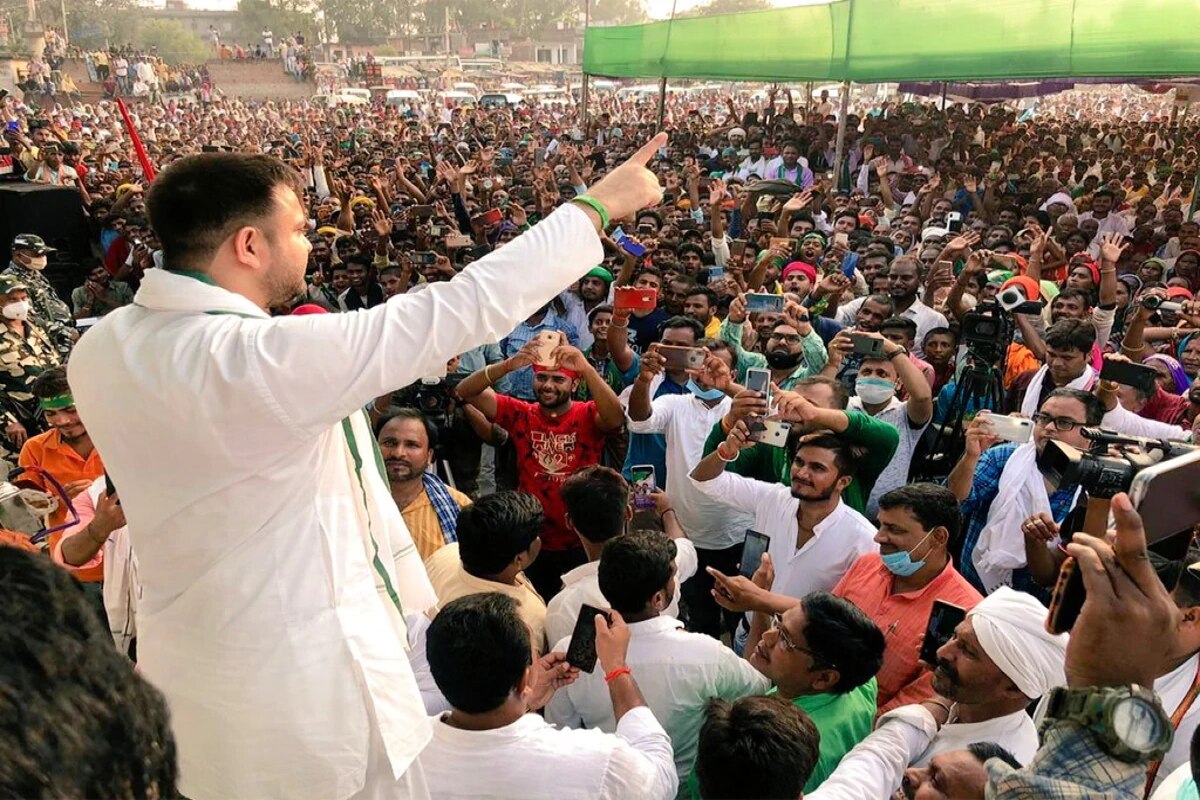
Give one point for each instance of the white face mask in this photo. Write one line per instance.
(18, 310)
(37, 262)
(874, 390)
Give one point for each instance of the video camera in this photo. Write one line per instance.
(986, 332)
(1102, 472)
(434, 397)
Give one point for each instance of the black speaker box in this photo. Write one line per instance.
(54, 213)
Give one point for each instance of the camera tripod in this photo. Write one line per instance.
(977, 387)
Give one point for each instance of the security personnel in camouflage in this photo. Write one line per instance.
(25, 351)
(49, 311)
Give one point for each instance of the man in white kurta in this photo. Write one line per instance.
(276, 570)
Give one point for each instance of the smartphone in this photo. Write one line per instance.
(771, 432)
(109, 489)
(1009, 429)
(630, 246)
(437, 230)
(458, 240)
(547, 342)
(424, 258)
(867, 345)
(1167, 495)
(525, 192)
(841, 239)
(539, 157)
(1067, 599)
(492, 216)
(687, 224)
(581, 652)
(943, 619)
(737, 248)
(635, 299)
(422, 212)
(781, 241)
(954, 222)
(642, 483)
(753, 547)
(682, 357)
(388, 163)
(759, 380)
(759, 302)
(1139, 376)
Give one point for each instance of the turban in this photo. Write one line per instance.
(799, 266)
(1061, 198)
(1032, 290)
(1011, 629)
(1178, 293)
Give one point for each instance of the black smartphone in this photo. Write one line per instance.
(581, 653)
(943, 619)
(109, 489)
(1067, 600)
(1139, 376)
(753, 548)
(424, 258)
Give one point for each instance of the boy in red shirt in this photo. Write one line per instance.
(553, 438)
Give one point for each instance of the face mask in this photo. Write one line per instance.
(18, 310)
(782, 359)
(704, 394)
(37, 262)
(901, 563)
(874, 390)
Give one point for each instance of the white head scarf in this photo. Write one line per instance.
(1063, 198)
(1010, 627)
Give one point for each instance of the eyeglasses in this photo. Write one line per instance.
(792, 647)
(1063, 424)
(789, 338)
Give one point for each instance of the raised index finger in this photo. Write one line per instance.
(647, 151)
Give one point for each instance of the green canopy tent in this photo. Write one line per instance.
(885, 41)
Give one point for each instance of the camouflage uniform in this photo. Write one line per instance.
(22, 359)
(49, 312)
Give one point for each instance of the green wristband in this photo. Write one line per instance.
(596, 206)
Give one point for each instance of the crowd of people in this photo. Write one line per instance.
(755, 351)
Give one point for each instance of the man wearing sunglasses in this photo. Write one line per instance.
(1001, 486)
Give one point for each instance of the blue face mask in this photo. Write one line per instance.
(901, 563)
(704, 394)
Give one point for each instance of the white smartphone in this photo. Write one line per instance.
(773, 432)
(1010, 429)
(1167, 496)
(759, 380)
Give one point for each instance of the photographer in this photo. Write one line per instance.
(1002, 486)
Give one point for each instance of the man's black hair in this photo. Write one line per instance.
(1071, 334)
(596, 498)
(495, 529)
(478, 650)
(755, 748)
(932, 505)
(899, 324)
(1093, 408)
(76, 720)
(680, 321)
(708, 293)
(50, 383)
(841, 637)
(989, 750)
(633, 567)
(413, 414)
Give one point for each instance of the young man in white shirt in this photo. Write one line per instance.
(678, 672)
(716, 528)
(491, 744)
(815, 537)
(598, 510)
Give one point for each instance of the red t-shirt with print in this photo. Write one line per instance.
(549, 450)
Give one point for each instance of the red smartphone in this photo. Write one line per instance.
(635, 299)
(492, 216)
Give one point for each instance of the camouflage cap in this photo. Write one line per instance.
(10, 283)
(30, 241)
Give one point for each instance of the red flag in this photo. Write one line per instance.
(148, 171)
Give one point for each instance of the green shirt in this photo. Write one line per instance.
(771, 464)
(815, 355)
(844, 720)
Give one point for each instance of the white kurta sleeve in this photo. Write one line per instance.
(642, 767)
(872, 767)
(736, 491)
(662, 410)
(1125, 421)
(320, 368)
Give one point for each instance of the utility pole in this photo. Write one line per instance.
(583, 92)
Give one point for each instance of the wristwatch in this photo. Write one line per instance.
(900, 350)
(1128, 720)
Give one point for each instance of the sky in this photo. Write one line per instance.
(657, 9)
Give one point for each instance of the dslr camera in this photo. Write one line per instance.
(1107, 467)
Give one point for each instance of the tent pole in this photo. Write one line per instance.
(583, 92)
(841, 136)
(662, 101)
(943, 96)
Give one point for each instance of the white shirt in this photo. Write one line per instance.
(275, 567)
(1015, 732)
(837, 541)
(532, 760)
(749, 167)
(870, 770)
(926, 318)
(1122, 420)
(581, 586)
(687, 421)
(895, 474)
(1113, 223)
(1171, 689)
(678, 673)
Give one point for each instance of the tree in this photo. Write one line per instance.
(727, 7)
(283, 17)
(174, 43)
(618, 12)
